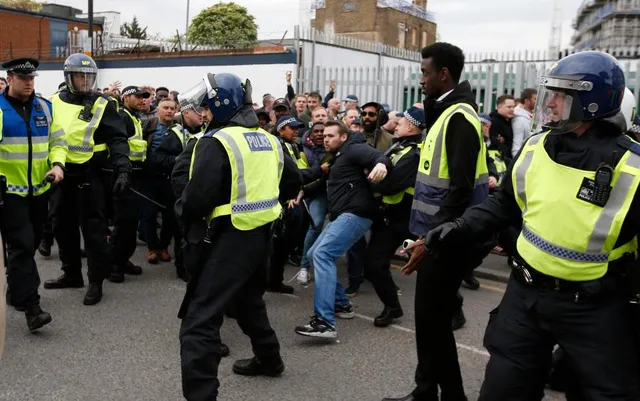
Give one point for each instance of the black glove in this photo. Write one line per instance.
(121, 184)
(446, 233)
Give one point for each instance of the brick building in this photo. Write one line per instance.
(41, 35)
(399, 23)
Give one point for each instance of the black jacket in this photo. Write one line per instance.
(112, 131)
(597, 145)
(462, 146)
(210, 184)
(348, 189)
(402, 176)
(501, 126)
(162, 160)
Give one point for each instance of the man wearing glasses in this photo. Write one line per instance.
(373, 117)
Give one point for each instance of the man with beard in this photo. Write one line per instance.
(126, 206)
(373, 119)
(452, 176)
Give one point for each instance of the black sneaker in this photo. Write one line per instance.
(345, 311)
(317, 328)
(44, 249)
(458, 320)
(281, 288)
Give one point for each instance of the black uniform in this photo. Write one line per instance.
(80, 200)
(224, 274)
(126, 213)
(593, 331)
(391, 225)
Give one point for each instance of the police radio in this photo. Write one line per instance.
(86, 114)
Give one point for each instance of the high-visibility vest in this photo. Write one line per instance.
(432, 182)
(25, 146)
(301, 158)
(395, 158)
(137, 145)
(501, 166)
(562, 235)
(183, 134)
(257, 162)
(79, 133)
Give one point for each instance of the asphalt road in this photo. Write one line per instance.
(126, 347)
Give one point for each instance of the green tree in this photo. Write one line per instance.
(133, 30)
(27, 5)
(227, 25)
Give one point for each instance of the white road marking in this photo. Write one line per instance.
(465, 347)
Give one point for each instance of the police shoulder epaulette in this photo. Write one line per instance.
(629, 144)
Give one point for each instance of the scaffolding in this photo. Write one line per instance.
(606, 24)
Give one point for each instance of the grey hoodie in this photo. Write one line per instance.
(521, 126)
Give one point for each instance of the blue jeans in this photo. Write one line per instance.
(318, 209)
(339, 235)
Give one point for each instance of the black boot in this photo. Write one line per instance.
(131, 269)
(64, 281)
(116, 275)
(253, 367)
(282, 288)
(469, 281)
(387, 316)
(458, 320)
(409, 397)
(182, 273)
(44, 249)
(94, 294)
(224, 350)
(36, 317)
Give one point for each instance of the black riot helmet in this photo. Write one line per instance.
(80, 74)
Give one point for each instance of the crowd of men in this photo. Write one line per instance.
(307, 179)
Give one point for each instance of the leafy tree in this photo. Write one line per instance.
(133, 30)
(227, 25)
(27, 5)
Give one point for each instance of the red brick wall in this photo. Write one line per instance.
(25, 35)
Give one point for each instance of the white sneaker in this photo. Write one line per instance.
(302, 277)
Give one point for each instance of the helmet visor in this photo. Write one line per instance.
(554, 110)
(194, 97)
(82, 82)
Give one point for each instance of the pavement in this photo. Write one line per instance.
(126, 348)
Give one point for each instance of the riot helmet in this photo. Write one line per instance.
(584, 86)
(80, 74)
(224, 93)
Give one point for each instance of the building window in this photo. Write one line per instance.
(414, 37)
(424, 38)
(401, 34)
(348, 7)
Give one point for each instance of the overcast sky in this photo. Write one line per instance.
(474, 25)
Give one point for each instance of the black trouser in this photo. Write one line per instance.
(234, 275)
(385, 240)
(47, 227)
(594, 333)
(79, 201)
(283, 242)
(436, 300)
(126, 212)
(21, 221)
(159, 189)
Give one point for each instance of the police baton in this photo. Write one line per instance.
(306, 207)
(147, 198)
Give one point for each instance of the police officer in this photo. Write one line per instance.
(284, 238)
(391, 225)
(126, 206)
(162, 161)
(238, 174)
(95, 131)
(452, 175)
(573, 189)
(28, 149)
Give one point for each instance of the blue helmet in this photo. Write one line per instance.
(581, 87)
(224, 93)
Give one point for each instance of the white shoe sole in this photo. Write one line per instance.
(326, 334)
(345, 315)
